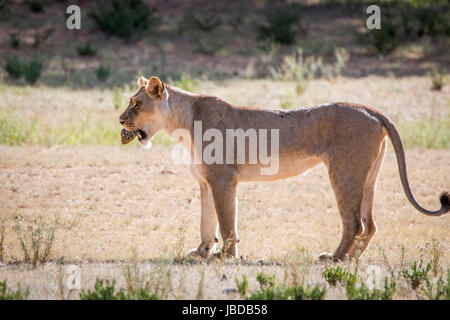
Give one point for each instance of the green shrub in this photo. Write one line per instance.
(442, 291)
(35, 6)
(242, 285)
(14, 67)
(283, 292)
(124, 18)
(186, 82)
(417, 274)
(333, 275)
(281, 25)
(200, 18)
(8, 294)
(36, 239)
(286, 105)
(363, 292)
(10, 131)
(118, 98)
(32, 70)
(408, 20)
(265, 280)
(438, 79)
(14, 40)
(427, 133)
(389, 37)
(102, 72)
(86, 50)
(105, 290)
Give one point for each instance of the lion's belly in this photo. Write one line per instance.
(287, 167)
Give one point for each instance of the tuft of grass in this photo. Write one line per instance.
(265, 280)
(14, 67)
(14, 40)
(271, 290)
(86, 49)
(281, 25)
(106, 290)
(8, 294)
(36, 240)
(426, 133)
(363, 292)
(333, 275)
(102, 72)
(35, 6)
(242, 285)
(442, 290)
(438, 79)
(124, 18)
(417, 274)
(286, 105)
(118, 98)
(295, 292)
(32, 70)
(11, 132)
(186, 82)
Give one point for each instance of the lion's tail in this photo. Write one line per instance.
(400, 153)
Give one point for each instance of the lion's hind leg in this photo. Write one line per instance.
(370, 227)
(348, 174)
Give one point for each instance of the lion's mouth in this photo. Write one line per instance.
(128, 136)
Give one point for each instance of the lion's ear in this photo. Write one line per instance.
(142, 82)
(155, 87)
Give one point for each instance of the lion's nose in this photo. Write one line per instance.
(122, 122)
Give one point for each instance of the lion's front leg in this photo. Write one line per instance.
(225, 203)
(208, 223)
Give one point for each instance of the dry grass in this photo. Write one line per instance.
(111, 200)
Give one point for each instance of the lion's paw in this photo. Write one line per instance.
(325, 256)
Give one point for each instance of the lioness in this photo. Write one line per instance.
(349, 139)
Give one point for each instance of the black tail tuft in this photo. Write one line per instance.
(445, 201)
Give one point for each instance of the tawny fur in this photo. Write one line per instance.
(349, 139)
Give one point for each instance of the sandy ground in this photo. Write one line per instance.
(112, 202)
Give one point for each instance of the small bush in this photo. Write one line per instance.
(118, 98)
(364, 293)
(32, 70)
(286, 105)
(124, 18)
(102, 72)
(417, 275)
(337, 274)
(8, 294)
(10, 131)
(427, 133)
(186, 82)
(442, 291)
(14, 40)
(242, 285)
(14, 67)
(265, 280)
(389, 37)
(36, 240)
(86, 50)
(282, 292)
(438, 79)
(281, 24)
(270, 290)
(200, 18)
(105, 290)
(35, 6)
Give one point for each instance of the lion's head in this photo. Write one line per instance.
(143, 115)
